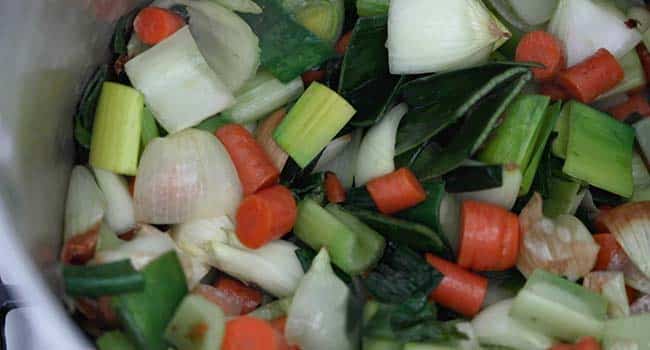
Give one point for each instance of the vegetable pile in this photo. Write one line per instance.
(369, 174)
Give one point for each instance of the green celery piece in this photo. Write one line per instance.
(114, 340)
(196, 311)
(634, 75)
(560, 308)
(146, 314)
(115, 145)
(353, 247)
(99, 280)
(549, 122)
(288, 49)
(416, 236)
(372, 7)
(272, 310)
(632, 330)
(213, 123)
(561, 196)
(600, 150)
(149, 127)
(559, 145)
(479, 122)
(439, 100)
(312, 123)
(514, 140)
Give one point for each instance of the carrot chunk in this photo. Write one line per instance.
(592, 77)
(154, 24)
(396, 191)
(541, 47)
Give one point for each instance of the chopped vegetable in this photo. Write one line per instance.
(264, 137)
(324, 18)
(372, 7)
(197, 325)
(504, 195)
(249, 298)
(396, 191)
(190, 90)
(559, 308)
(474, 177)
(80, 248)
(119, 215)
(318, 106)
(332, 151)
(229, 303)
(609, 250)
(562, 245)
(637, 103)
(543, 48)
(85, 204)
(634, 75)
(154, 24)
(114, 340)
(489, 237)
(265, 216)
(251, 333)
(318, 312)
(335, 191)
(195, 237)
(254, 168)
(629, 224)
(344, 165)
(627, 333)
(459, 290)
(99, 280)
(592, 77)
(563, 197)
(610, 285)
(415, 46)
(85, 114)
(116, 131)
(148, 244)
(185, 176)
(272, 310)
(149, 128)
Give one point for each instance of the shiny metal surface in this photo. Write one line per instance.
(47, 50)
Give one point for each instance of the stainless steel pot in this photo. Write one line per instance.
(48, 48)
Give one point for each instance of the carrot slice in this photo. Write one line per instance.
(587, 343)
(541, 47)
(637, 103)
(489, 237)
(459, 290)
(79, 249)
(154, 24)
(265, 216)
(249, 333)
(343, 43)
(609, 250)
(334, 188)
(554, 91)
(254, 167)
(396, 191)
(592, 77)
(249, 298)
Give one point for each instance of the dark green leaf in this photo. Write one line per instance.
(401, 274)
(359, 197)
(418, 159)
(86, 110)
(473, 178)
(428, 212)
(312, 185)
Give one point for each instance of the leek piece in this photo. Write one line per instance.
(562, 196)
(559, 308)
(98, 280)
(627, 333)
(324, 18)
(114, 340)
(149, 127)
(600, 150)
(354, 247)
(550, 119)
(559, 145)
(642, 131)
(312, 123)
(178, 85)
(260, 96)
(634, 75)
(115, 145)
(198, 324)
(513, 142)
(372, 7)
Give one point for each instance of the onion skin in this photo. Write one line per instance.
(630, 224)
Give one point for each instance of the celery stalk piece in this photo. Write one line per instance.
(149, 127)
(559, 308)
(260, 96)
(115, 145)
(634, 75)
(372, 7)
(600, 150)
(312, 123)
(193, 314)
(178, 85)
(513, 142)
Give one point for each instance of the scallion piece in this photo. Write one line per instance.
(98, 280)
(115, 144)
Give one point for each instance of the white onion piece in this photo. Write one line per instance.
(85, 204)
(611, 285)
(318, 313)
(345, 164)
(183, 177)
(120, 214)
(471, 343)
(630, 224)
(584, 26)
(148, 244)
(331, 151)
(377, 151)
(195, 238)
(449, 214)
(534, 12)
(505, 195)
(274, 267)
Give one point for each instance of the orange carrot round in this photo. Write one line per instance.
(334, 189)
(265, 216)
(587, 343)
(555, 92)
(249, 333)
(254, 167)
(609, 250)
(636, 103)
(396, 191)
(343, 43)
(541, 47)
(592, 77)
(153, 24)
(250, 298)
(459, 290)
(489, 237)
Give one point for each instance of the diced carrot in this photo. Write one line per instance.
(334, 188)
(592, 77)
(554, 91)
(250, 298)
(637, 103)
(396, 191)
(587, 343)
(230, 305)
(541, 47)
(265, 216)
(311, 76)
(609, 250)
(644, 57)
(154, 24)
(79, 249)
(280, 324)
(459, 290)
(343, 43)
(256, 171)
(489, 237)
(249, 333)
